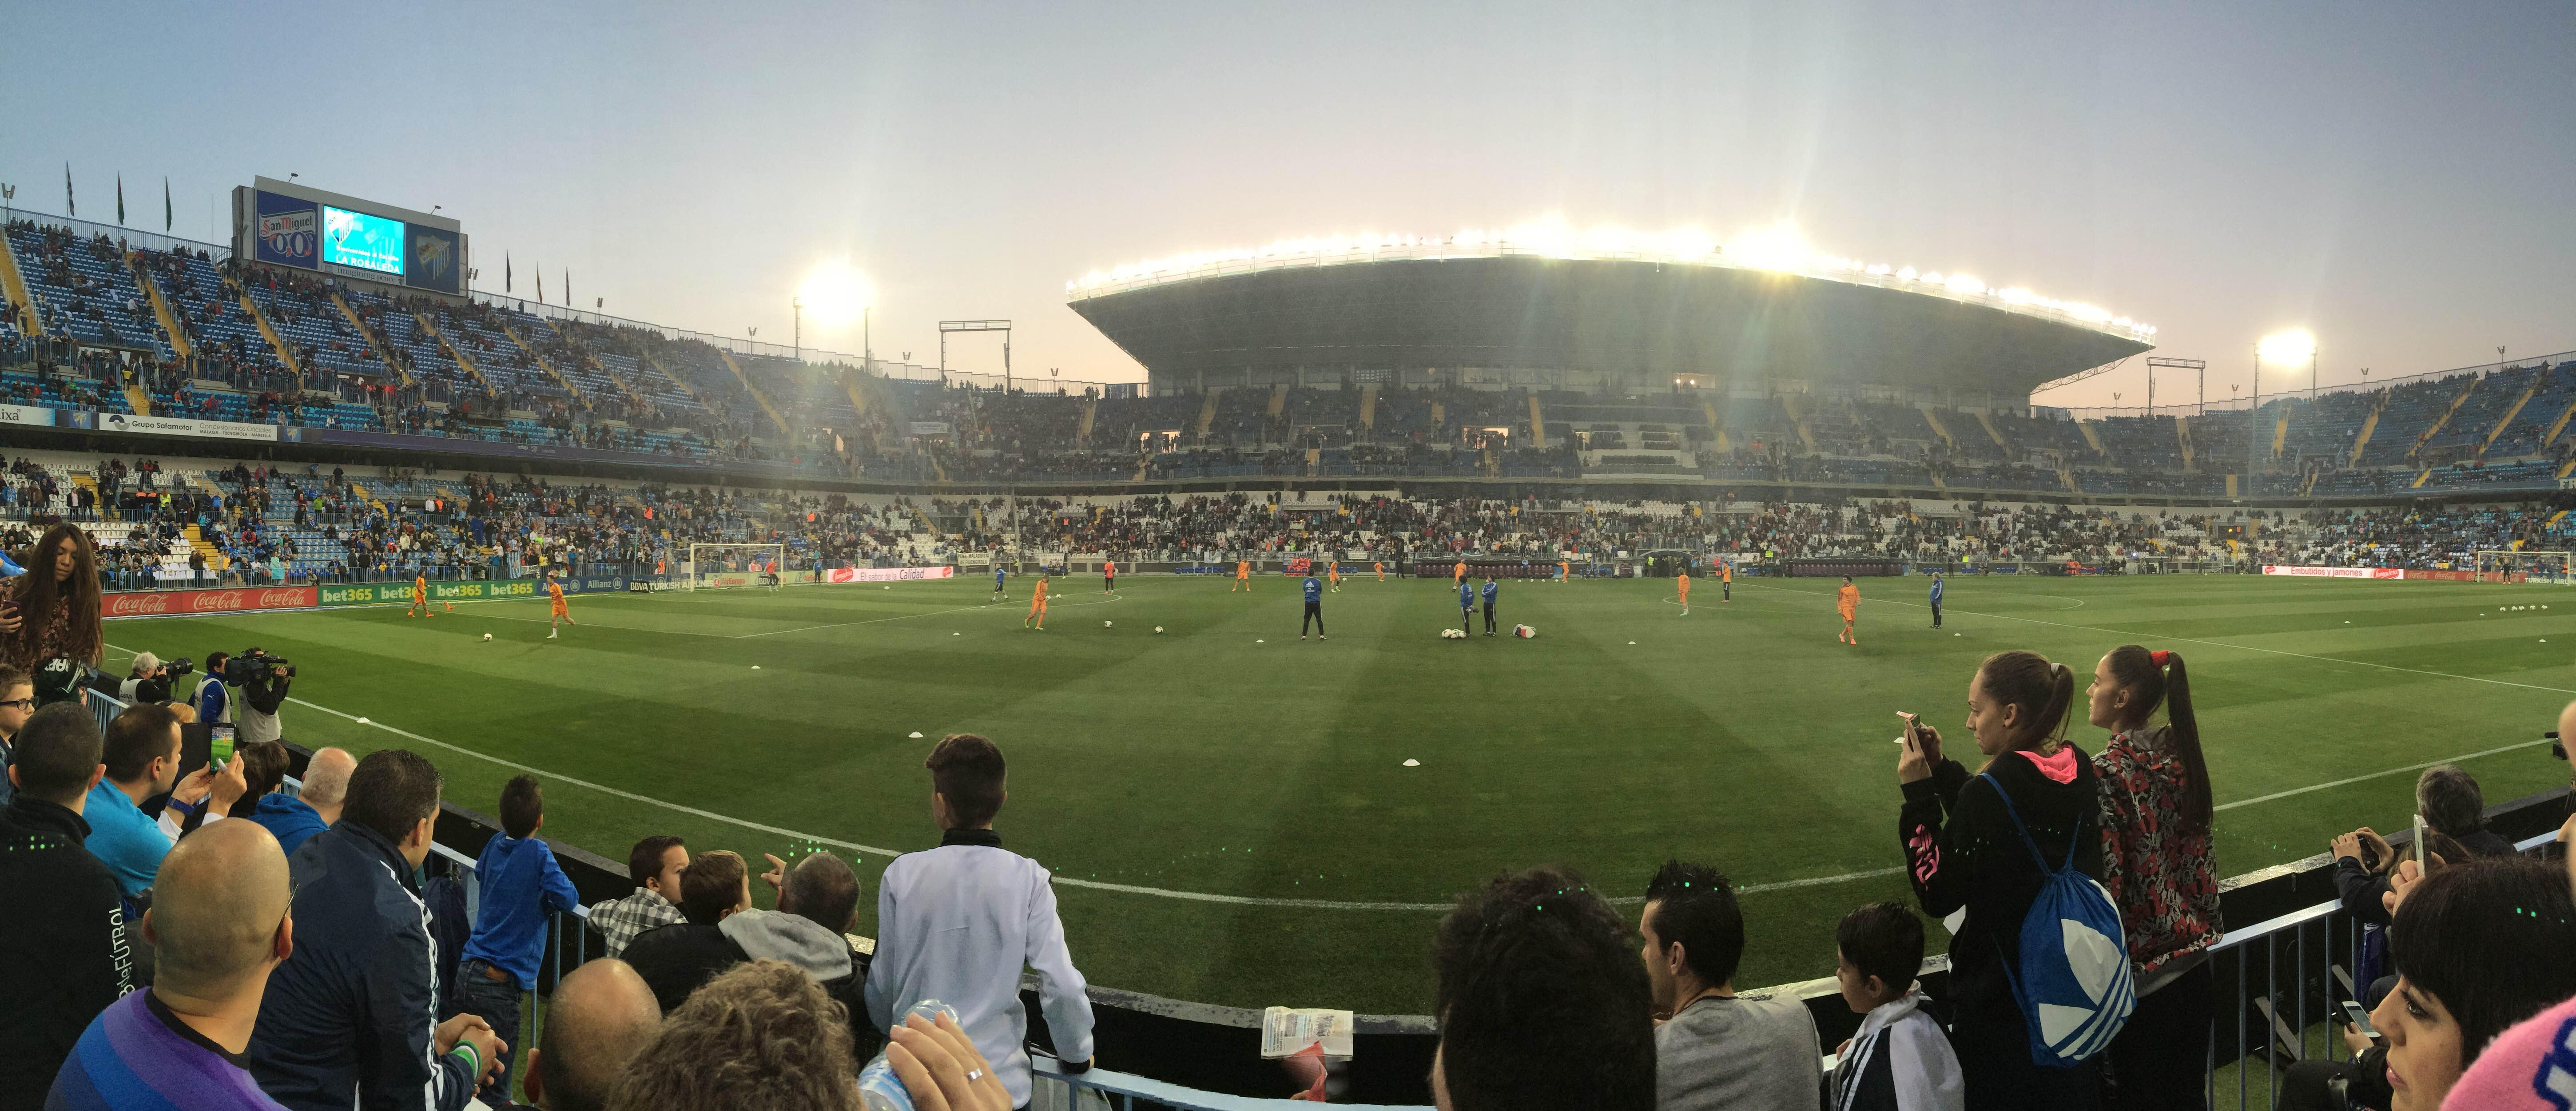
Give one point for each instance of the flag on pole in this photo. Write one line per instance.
(505, 271)
(168, 217)
(541, 285)
(120, 200)
(70, 207)
(567, 287)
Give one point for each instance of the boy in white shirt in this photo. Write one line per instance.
(1901, 1059)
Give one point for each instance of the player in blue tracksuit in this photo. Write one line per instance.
(1314, 609)
(1466, 606)
(1492, 591)
(999, 573)
(1936, 599)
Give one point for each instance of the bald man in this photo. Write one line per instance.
(293, 818)
(218, 926)
(600, 1016)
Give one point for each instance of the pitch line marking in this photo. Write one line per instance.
(2213, 644)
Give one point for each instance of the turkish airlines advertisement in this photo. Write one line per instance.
(887, 574)
(2337, 572)
(180, 603)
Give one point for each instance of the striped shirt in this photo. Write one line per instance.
(137, 1056)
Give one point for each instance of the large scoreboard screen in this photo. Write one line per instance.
(366, 242)
(286, 224)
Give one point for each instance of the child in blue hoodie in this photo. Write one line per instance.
(521, 886)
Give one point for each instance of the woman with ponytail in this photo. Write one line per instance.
(1964, 854)
(2157, 865)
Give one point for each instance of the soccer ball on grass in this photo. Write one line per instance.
(1104, 624)
(487, 636)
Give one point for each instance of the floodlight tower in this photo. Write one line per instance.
(2283, 347)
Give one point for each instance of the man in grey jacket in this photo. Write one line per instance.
(1713, 1048)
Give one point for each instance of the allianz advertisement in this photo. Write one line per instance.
(377, 594)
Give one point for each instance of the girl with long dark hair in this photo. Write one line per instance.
(1963, 853)
(53, 608)
(2158, 866)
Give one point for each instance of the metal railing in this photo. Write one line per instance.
(2273, 1026)
(1054, 1089)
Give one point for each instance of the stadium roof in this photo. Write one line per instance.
(1640, 319)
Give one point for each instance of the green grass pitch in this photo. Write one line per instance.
(1228, 810)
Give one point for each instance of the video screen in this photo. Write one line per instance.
(357, 239)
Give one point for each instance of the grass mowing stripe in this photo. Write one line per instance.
(2211, 643)
(910, 616)
(2376, 775)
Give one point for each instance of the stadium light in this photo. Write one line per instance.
(2293, 346)
(835, 292)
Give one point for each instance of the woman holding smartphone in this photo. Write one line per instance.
(1963, 853)
(52, 610)
(2156, 863)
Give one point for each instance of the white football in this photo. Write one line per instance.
(1104, 624)
(1158, 629)
(487, 636)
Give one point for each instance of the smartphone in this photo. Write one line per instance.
(219, 746)
(1913, 728)
(2358, 1017)
(2415, 849)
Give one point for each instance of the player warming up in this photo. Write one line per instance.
(1037, 606)
(562, 614)
(1564, 571)
(769, 576)
(1314, 608)
(1725, 581)
(999, 575)
(1493, 590)
(1458, 574)
(1684, 583)
(1380, 568)
(1242, 577)
(1334, 569)
(1466, 606)
(1109, 576)
(1936, 599)
(419, 598)
(1847, 600)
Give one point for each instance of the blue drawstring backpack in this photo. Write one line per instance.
(2074, 985)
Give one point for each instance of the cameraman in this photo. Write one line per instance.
(263, 691)
(214, 704)
(149, 681)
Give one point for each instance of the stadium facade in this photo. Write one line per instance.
(1618, 325)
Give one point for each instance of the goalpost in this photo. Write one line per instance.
(719, 566)
(2552, 567)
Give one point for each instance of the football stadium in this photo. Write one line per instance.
(1394, 641)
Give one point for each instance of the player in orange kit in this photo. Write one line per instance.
(1242, 577)
(562, 614)
(1685, 585)
(1333, 571)
(1037, 606)
(1109, 576)
(1847, 600)
(1725, 581)
(1564, 571)
(1458, 574)
(1380, 567)
(419, 597)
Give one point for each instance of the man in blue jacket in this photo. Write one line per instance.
(1936, 599)
(1314, 608)
(522, 888)
(1493, 590)
(351, 1020)
(1466, 606)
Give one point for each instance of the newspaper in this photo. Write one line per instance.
(1288, 1030)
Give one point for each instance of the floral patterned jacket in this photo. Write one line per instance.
(2159, 873)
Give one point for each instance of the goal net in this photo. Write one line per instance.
(721, 566)
(2550, 567)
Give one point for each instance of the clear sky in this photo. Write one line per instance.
(2398, 178)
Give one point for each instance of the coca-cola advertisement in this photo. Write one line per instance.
(165, 603)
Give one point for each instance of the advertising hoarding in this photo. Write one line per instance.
(363, 241)
(180, 603)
